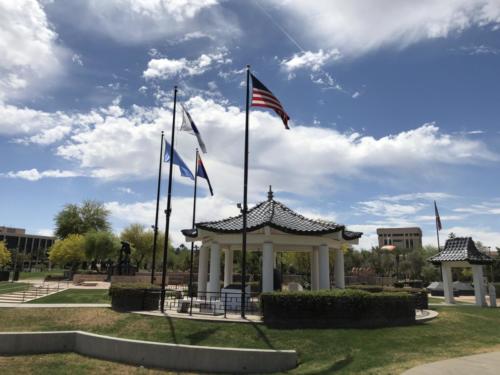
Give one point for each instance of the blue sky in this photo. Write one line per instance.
(393, 104)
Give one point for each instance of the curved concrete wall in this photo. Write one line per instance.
(149, 354)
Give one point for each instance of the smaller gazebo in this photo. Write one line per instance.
(461, 252)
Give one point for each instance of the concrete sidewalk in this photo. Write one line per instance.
(53, 305)
(484, 364)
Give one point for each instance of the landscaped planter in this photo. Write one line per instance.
(134, 297)
(337, 309)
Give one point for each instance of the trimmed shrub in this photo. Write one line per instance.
(134, 296)
(337, 309)
(420, 295)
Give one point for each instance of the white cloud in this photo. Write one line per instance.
(29, 49)
(428, 196)
(126, 190)
(144, 213)
(488, 236)
(432, 218)
(480, 49)
(138, 21)
(355, 27)
(485, 208)
(35, 175)
(309, 60)
(389, 210)
(45, 232)
(165, 68)
(77, 59)
(114, 143)
(25, 121)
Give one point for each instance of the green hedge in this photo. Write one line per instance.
(134, 296)
(420, 295)
(337, 309)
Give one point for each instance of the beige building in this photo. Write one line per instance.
(34, 247)
(403, 238)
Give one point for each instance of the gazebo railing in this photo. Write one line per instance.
(221, 303)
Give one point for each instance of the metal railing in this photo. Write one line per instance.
(179, 299)
(43, 290)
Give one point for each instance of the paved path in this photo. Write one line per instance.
(484, 364)
(231, 318)
(55, 305)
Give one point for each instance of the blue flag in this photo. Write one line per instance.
(201, 171)
(185, 172)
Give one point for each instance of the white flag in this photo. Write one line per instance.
(189, 126)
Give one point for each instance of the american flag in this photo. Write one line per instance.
(263, 97)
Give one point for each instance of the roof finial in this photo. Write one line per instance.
(270, 193)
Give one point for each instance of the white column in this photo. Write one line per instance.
(447, 283)
(339, 269)
(228, 267)
(477, 277)
(324, 267)
(315, 269)
(202, 271)
(214, 277)
(267, 267)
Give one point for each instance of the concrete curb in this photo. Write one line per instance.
(150, 354)
(429, 315)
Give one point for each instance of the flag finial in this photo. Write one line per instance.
(270, 193)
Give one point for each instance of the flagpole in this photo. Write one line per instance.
(193, 226)
(155, 238)
(437, 235)
(245, 205)
(169, 209)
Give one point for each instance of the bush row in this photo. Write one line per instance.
(337, 309)
(420, 295)
(134, 296)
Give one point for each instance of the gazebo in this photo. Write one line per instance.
(461, 252)
(272, 227)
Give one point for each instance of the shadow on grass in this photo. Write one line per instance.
(197, 337)
(336, 366)
(172, 329)
(262, 335)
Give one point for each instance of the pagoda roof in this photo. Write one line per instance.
(274, 214)
(460, 249)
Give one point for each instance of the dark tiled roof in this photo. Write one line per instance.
(275, 215)
(460, 249)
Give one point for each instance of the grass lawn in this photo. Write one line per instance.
(8, 287)
(457, 331)
(40, 275)
(66, 363)
(77, 296)
(441, 300)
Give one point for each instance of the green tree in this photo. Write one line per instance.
(69, 251)
(94, 216)
(68, 221)
(101, 245)
(141, 241)
(5, 256)
(74, 219)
